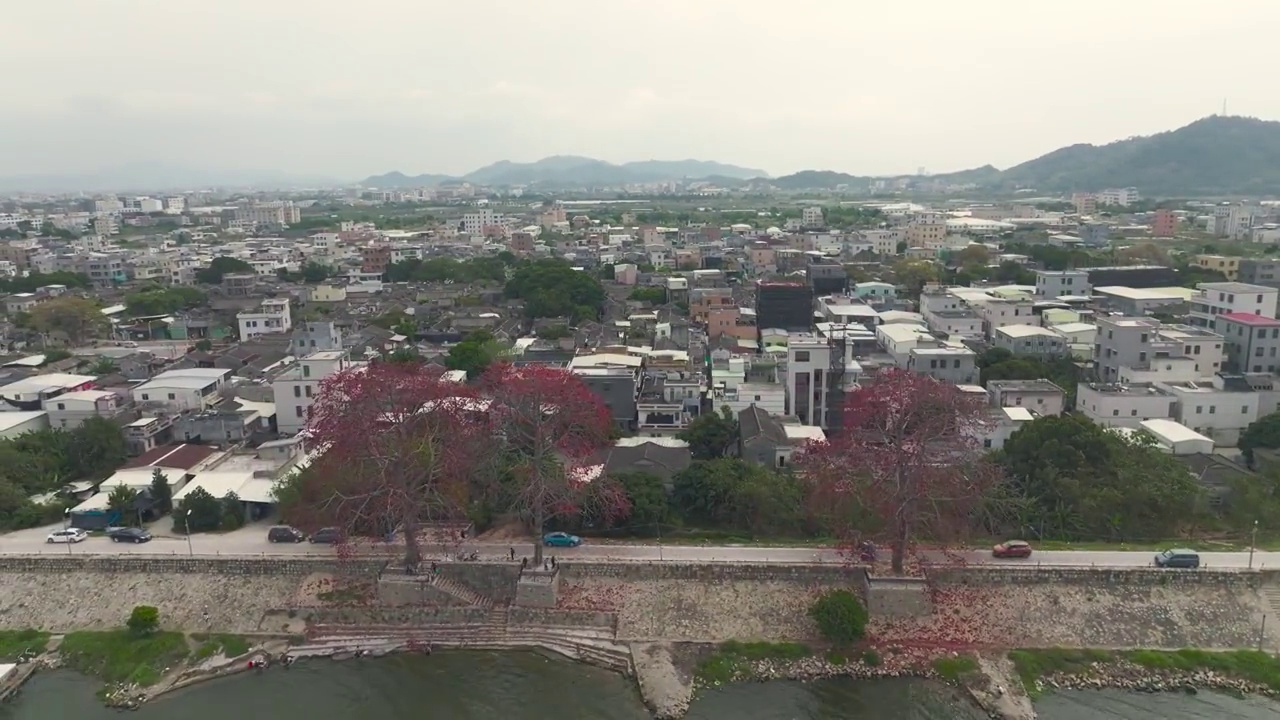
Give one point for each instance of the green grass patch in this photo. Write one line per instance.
(871, 658)
(14, 643)
(121, 656)
(1035, 664)
(953, 668)
(732, 660)
(836, 658)
(228, 645)
(1251, 665)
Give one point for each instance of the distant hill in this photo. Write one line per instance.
(573, 171)
(1217, 155)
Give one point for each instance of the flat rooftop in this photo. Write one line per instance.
(1026, 331)
(1023, 386)
(1130, 389)
(1129, 293)
(1235, 287)
(1250, 319)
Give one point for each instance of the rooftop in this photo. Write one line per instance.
(1250, 319)
(1131, 389)
(1170, 431)
(178, 457)
(1129, 293)
(1026, 331)
(1024, 386)
(1234, 287)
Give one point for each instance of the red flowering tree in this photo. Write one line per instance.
(547, 424)
(398, 446)
(908, 461)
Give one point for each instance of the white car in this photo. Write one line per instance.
(70, 535)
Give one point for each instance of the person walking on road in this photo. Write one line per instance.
(513, 554)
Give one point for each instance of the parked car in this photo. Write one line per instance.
(561, 539)
(129, 534)
(284, 533)
(1012, 549)
(69, 535)
(1178, 558)
(327, 536)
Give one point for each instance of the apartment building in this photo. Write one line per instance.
(1228, 265)
(272, 316)
(1029, 340)
(1252, 342)
(278, 212)
(1042, 396)
(179, 390)
(998, 312)
(926, 230)
(1124, 345)
(809, 379)
(310, 337)
(69, 410)
(1259, 271)
(703, 301)
(1119, 196)
(1124, 405)
(1052, 284)
(1220, 409)
(1165, 224)
(1135, 301)
(474, 223)
(948, 362)
(1213, 299)
(295, 388)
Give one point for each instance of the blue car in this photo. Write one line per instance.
(561, 539)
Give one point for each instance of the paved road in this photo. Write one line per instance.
(252, 541)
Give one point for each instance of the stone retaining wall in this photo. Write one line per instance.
(1146, 576)
(415, 590)
(543, 617)
(374, 615)
(713, 572)
(71, 563)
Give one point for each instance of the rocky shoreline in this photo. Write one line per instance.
(1123, 675)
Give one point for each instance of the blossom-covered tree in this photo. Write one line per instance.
(547, 424)
(908, 461)
(396, 445)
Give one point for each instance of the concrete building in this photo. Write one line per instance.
(809, 377)
(1127, 344)
(1116, 405)
(1228, 265)
(295, 388)
(1165, 224)
(927, 230)
(1042, 396)
(1213, 299)
(69, 410)
(30, 394)
(951, 363)
(956, 324)
(618, 388)
(1259, 271)
(275, 213)
(15, 424)
(178, 390)
(1219, 410)
(1029, 340)
(312, 337)
(1136, 302)
(272, 316)
(1252, 342)
(1057, 283)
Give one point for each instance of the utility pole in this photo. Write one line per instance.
(1253, 542)
(187, 524)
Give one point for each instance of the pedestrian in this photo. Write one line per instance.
(433, 567)
(513, 554)
(553, 562)
(524, 563)
(545, 566)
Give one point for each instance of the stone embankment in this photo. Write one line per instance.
(1128, 676)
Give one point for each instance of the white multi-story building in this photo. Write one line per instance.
(808, 379)
(1117, 405)
(272, 316)
(296, 388)
(474, 223)
(178, 390)
(1125, 348)
(1213, 299)
(811, 217)
(1029, 340)
(1219, 410)
(1058, 283)
(278, 212)
(1119, 196)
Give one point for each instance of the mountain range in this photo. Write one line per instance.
(571, 170)
(1213, 156)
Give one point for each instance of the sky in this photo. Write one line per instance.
(347, 89)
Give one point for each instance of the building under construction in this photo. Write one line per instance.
(784, 305)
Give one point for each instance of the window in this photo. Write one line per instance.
(1213, 409)
(145, 396)
(957, 365)
(172, 396)
(1244, 410)
(306, 371)
(62, 406)
(298, 410)
(986, 443)
(1115, 413)
(308, 391)
(1199, 409)
(297, 391)
(802, 356)
(1133, 412)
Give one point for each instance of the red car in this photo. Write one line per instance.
(1012, 549)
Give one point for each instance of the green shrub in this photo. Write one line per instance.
(840, 616)
(951, 668)
(837, 658)
(144, 620)
(871, 658)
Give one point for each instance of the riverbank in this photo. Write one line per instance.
(1241, 672)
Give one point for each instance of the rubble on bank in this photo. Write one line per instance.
(1124, 675)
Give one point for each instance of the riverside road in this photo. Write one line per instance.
(252, 541)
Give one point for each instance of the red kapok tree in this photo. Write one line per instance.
(398, 445)
(547, 424)
(909, 460)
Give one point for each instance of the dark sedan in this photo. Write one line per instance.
(129, 534)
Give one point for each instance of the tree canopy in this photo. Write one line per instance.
(1000, 364)
(77, 318)
(711, 435)
(552, 288)
(1070, 478)
(220, 266)
(34, 281)
(1261, 433)
(163, 301)
(474, 354)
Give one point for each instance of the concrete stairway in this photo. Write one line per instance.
(1271, 593)
(593, 646)
(460, 591)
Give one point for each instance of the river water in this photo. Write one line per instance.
(518, 686)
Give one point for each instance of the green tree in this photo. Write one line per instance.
(554, 332)
(647, 494)
(104, 366)
(1069, 478)
(77, 318)
(651, 294)
(161, 491)
(313, 273)
(124, 500)
(840, 616)
(552, 288)
(144, 620)
(220, 266)
(163, 301)
(711, 435)
(204, 345)
(1000, 364)
(232, 512)
(34, 281)
(1261, 433)
(474, 354)
(205, 513)
(914, 274)
(731, 493)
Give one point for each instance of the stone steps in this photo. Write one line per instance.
(1271, 593)
(460, 591)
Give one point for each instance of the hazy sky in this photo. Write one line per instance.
(346, 89)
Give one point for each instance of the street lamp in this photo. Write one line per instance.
(186, 522)
(1253, 542)
(66, 514)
